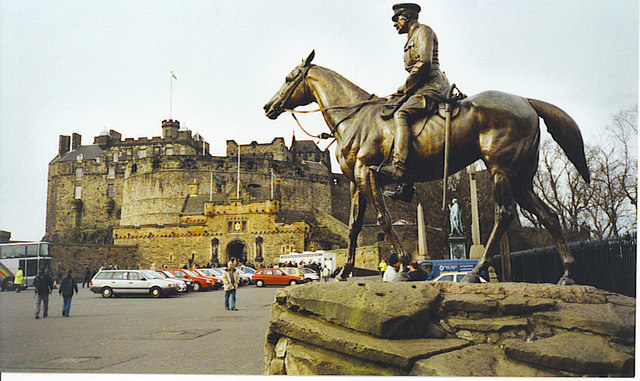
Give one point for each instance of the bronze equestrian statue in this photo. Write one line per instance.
(502, 130)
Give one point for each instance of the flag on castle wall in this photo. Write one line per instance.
(214, 178)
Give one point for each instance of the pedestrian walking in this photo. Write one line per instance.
(230, 281)
(391, 273)
(325, 273)
(416, 273)
(87, 277)
(67, 287)
(43, 284)
(17, 280)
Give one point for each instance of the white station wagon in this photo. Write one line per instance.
(122, 282)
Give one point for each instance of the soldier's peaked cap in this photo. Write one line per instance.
(399, 8)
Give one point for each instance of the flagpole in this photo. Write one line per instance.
(238, 186)
(211, 188)
(271, 178)
(171, 78)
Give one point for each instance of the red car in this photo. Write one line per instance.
(275, 276)
(200, 282)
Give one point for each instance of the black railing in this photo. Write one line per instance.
(608, 264)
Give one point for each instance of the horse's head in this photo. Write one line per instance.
(293, 93)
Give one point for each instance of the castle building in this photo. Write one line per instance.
(178, 204)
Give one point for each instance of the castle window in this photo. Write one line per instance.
(110, 190)
(156, 151)
(134, 168)
(79, 158)
(380, 237)
(142, 153)
(78, 193)
(78, 173)
(128, 151)
(169, 151)
(115, 157)
(111, 174)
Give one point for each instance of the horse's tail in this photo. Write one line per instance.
(565, 132)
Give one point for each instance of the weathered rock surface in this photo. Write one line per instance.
(385, 309)
(482, 360)
(605, 319)
(450, 329)
(396, 353)
(577, 352)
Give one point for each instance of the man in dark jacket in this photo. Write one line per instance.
(43, 284)
(416, 273)
(67, 287)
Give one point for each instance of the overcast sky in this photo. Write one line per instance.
(81, 66)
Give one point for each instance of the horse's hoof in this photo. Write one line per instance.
(566, 281)
(471, 278)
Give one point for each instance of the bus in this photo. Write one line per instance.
(435, 267)
(28, 255)
(323, 258)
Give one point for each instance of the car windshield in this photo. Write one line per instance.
(217, 271)
(161, 274)
(206, 271)
(151, 274)
(305, 270)
(247, 269)
(191, 272)
(168, 274)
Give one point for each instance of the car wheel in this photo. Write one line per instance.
(259, 283)
(107, 292)
(196, 287)
(293, 282)
(156, 292)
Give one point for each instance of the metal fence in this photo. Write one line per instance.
(608, 264)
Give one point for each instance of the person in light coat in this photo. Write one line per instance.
(230, 281)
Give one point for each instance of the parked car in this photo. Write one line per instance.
(188, 283)
(200, 282)
(246, 276)
(308, 274)
(118, 282)
(453, 277)
(272, 275)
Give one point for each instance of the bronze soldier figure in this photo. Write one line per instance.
(424, 88)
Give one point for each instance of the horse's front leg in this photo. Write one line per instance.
(369, 186)
(358, 207)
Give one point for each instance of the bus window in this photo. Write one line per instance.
(11, 251)
(44, 249)
(46, 263)
(32, 267)
(32, 250)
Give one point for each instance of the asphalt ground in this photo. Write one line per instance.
(136, 337)
(185, 334)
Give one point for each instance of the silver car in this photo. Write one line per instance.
(123, 282)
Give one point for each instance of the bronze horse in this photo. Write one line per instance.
(499, 128)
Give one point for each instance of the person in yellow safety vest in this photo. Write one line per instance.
(17, 281)
(383, 267)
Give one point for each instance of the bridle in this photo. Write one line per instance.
(299, 79)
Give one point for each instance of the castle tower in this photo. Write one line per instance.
(170, 129)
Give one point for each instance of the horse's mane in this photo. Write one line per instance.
(344, 82)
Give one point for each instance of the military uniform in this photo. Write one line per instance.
(425, 86)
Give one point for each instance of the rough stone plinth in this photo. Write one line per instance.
(385, 309)
(448, 329)
(576, 352)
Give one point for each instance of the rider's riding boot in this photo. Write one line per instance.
(404, 192)
(396, 169)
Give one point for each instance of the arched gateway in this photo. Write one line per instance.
(237, 249)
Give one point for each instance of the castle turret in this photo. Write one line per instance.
(170, 129)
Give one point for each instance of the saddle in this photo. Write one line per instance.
(453, 97)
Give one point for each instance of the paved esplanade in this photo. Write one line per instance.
(185, 334)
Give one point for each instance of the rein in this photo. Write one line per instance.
(324, 135)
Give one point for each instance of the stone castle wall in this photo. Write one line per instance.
(79, 257)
